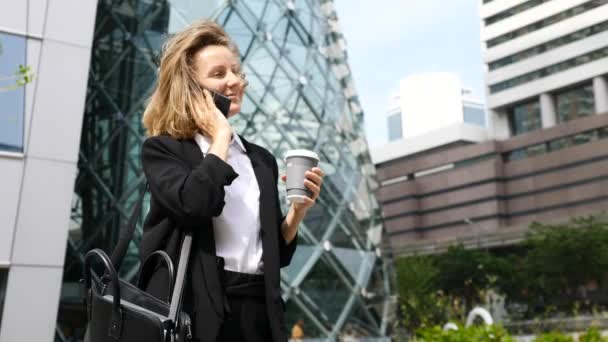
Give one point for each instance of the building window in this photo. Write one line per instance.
(525, 117)
(550, 45)
(513, 11)
(12, 96)
(575, 103)
(557, 144)
(3, 278)
(550, 70)
(394, 127)
(587, 6)
(474, 115)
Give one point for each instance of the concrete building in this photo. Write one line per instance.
(39, 136)
(544, 156)
(546, 61)
(486, 194)
(416, 109)
(70, 141)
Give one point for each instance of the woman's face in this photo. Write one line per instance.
(218, 69)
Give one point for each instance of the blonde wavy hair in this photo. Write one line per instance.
(178, 95)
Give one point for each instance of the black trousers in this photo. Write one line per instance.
(247, 322)
(246, 315)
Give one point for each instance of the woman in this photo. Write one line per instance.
(205, 178)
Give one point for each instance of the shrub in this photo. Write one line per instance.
(553, 337)
(483, 333)
(592, 335)
(559, 269)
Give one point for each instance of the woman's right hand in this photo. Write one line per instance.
(210, 119)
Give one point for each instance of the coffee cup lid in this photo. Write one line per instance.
(301, 153)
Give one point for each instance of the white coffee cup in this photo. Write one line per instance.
(298, 162)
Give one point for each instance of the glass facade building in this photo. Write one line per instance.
(300, 95)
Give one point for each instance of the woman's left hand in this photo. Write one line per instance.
(313, 181)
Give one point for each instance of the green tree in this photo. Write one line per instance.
(569, 255)
(420, 303)
(467, 274)
(558, 260)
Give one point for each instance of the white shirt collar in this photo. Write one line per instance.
(205, 143)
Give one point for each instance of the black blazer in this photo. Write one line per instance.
(187, 190)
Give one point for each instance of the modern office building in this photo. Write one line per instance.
(545, 153)
(429, 101)
(71, 139)
(546, 61)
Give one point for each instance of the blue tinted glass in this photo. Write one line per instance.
(474, 115)
(12, 98)
(394, 127)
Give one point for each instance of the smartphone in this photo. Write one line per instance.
(221, 102)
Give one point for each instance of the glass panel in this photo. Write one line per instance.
(525, 118)
(515, 155)
(184, 12)
(584, 138)
(377, 283)
(536, 150)
(299, 259)
(326, 290)
(575, 103)
(240, 33)
(295, 315)
(12, 95)
(474, 115)
(603, 133)
(318, 219)
(362, 323)
(358, 228)
(3, 279)
(560, 143)
(357, 263)
(395, 127)
(344, 238)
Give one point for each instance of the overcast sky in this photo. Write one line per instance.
(391, 39)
